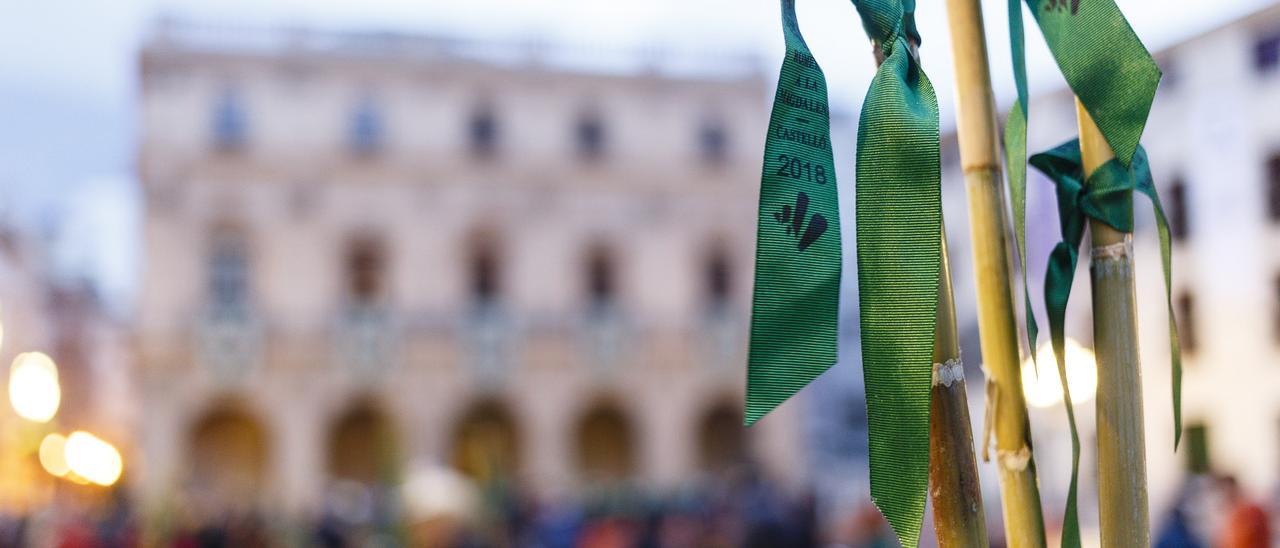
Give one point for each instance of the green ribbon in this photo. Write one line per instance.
(1115, 79)
(1015, 146)
(1107, 196)
(899, 223)
(797, 280)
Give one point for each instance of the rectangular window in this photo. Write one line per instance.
(1266, 53)
(1273, 188)
(590, 136)
(366, 128)
(1178, 222)
(1196, 438)
(230, 129)
(713, 142)
(1275, 296)
(1186, 317)
(483, 131)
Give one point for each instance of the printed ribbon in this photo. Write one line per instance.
(1115, 78)
(797, 280)
(899, 223)
(1107, 196)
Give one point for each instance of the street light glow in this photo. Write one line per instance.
(92, 458)
(53, 454)
(33, 387)
(1045, 388)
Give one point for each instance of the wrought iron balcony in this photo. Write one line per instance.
(366, 340)
(230, 341)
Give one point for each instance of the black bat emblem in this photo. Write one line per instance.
(793, 219)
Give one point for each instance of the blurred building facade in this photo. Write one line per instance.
(368, 251)
(1213, 138)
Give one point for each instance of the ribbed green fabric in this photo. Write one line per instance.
(899, 216)
(797, 280)
(1015, 150)
(1107, 195)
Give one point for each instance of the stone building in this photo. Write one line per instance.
(368, 251)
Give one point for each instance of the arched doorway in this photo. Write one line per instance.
(605, 444)
(722, 440)
(228, 452)
(362, 446)
(486, 443)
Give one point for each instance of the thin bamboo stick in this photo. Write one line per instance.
(997, 322)
(954, 489)
(1122, 463)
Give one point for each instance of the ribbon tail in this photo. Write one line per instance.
(1015, 146)
(1057, 288)
(1142, 174)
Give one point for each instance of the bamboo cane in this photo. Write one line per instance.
(954, 489)
(1122, 463)
(979, 157)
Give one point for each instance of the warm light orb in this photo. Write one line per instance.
(1045, 389)
(53, 454)
(93, 459)
(33, 387)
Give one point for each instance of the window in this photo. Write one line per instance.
(1273, 188)
(1275, 292)
(1266, 53)
(366, 128)
(601, 290)
(483, 131)
(719, 280)
(230, 128)
(1187, 321)
(1197, 448)
(228, 269)
(365, 271)
(1178, 221)
(590, 137)
(713, 143)
(1172, 74)
(485, 272)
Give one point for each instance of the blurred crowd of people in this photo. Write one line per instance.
(1213, 511)
(742, 511)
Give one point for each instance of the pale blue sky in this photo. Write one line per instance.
(67, 75)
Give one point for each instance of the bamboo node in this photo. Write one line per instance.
(1014, 461)
(1118, 250)
(980, 167)
(1112, 260)
(948, 372)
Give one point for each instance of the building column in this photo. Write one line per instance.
(297, 452)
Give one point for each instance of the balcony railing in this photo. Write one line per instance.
(722, 335)
(366, 341)
(230, 342)
(489, 333)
